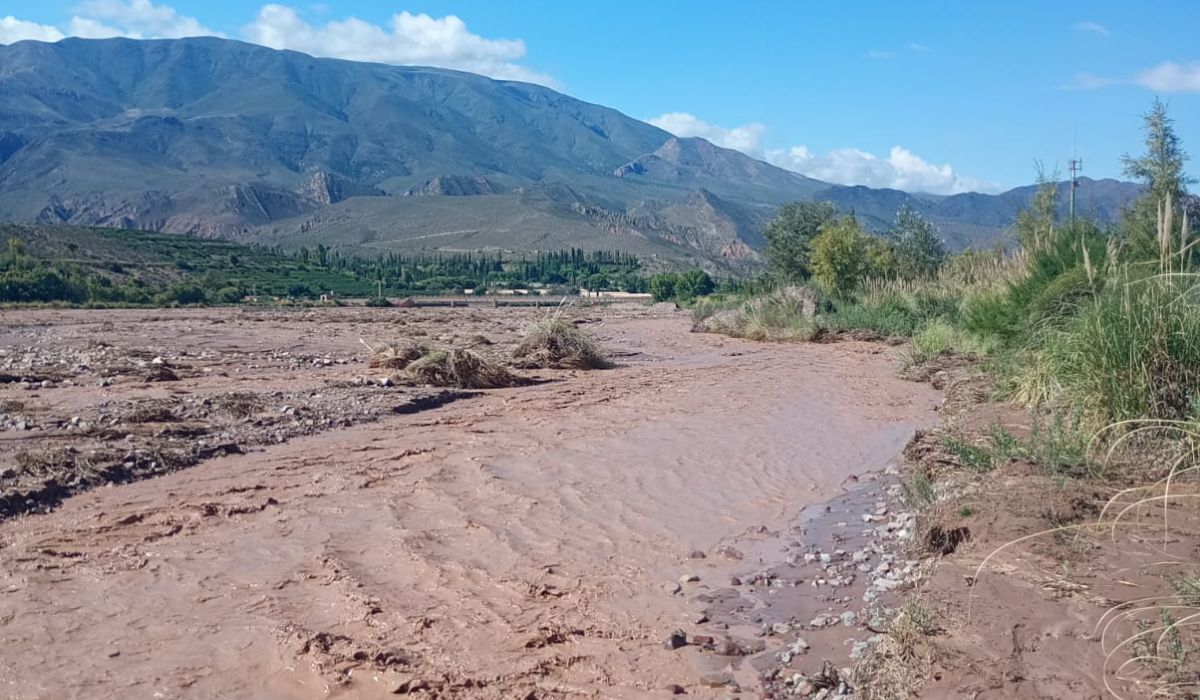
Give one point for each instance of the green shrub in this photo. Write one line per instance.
(939, 337)
(1061, 298)
(886, 316)
(1133, 352)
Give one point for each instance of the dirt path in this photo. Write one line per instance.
(521, 543)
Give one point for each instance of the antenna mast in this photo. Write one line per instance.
(1075, 165)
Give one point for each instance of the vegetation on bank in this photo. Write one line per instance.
(121, 267)
(1099, 324)
(1095, 329)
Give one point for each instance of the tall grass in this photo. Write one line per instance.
(1133, 352)
(787, 314)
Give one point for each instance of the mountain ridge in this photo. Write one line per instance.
(220, 138)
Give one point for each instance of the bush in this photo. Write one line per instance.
(1133, 352)
(227, 295)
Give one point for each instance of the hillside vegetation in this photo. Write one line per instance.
(76, 265)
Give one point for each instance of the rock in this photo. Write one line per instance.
(674, 689)
(781, 628)
(689, 578)
(735, 581)
(696, 554)
(703, 640)
(716, 679)
(675, 640)
(804, 689)
(729, 552)
(727, 647)
(849, 619)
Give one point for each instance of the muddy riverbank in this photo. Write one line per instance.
(540, 542)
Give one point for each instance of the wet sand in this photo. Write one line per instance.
(519, 543)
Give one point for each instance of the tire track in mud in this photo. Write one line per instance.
(523, 544)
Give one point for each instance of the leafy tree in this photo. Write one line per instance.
(840, 256)
(918, 251)
(789, 238)
(881, 258)
(692, 284)
(662, 286)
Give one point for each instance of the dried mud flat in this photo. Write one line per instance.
(338, 538)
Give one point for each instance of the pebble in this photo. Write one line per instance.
(675, 640)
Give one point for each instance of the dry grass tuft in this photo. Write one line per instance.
(556, 343)
(896, 667)
(393, 355)
(462, 369)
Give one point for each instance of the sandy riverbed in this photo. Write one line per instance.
(515, 543)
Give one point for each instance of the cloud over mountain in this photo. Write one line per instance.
(407, 39)
(901, 169)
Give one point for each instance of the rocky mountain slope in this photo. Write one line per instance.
(219, 138)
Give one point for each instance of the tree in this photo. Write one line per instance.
(840, 256)
(881, 258)
(1160, 168)
(789, 238)
(917, 250)
(662, 286)
(692, 284)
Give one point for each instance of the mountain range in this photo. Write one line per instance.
(219, 138)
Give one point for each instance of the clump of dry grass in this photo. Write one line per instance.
(393, 355)
(896, 667)
(460, 368)
(556, 343)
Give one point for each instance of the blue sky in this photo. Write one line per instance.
(936, 96)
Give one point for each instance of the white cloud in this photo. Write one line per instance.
(1091, 28)
(102, 19)
(408, 39)
(878, 55)
(1171, 77)
(13, 30)
(1165, 77)
(88, 28)
(746, 138)
(901, 169)
(138, 19)
(920, 48)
